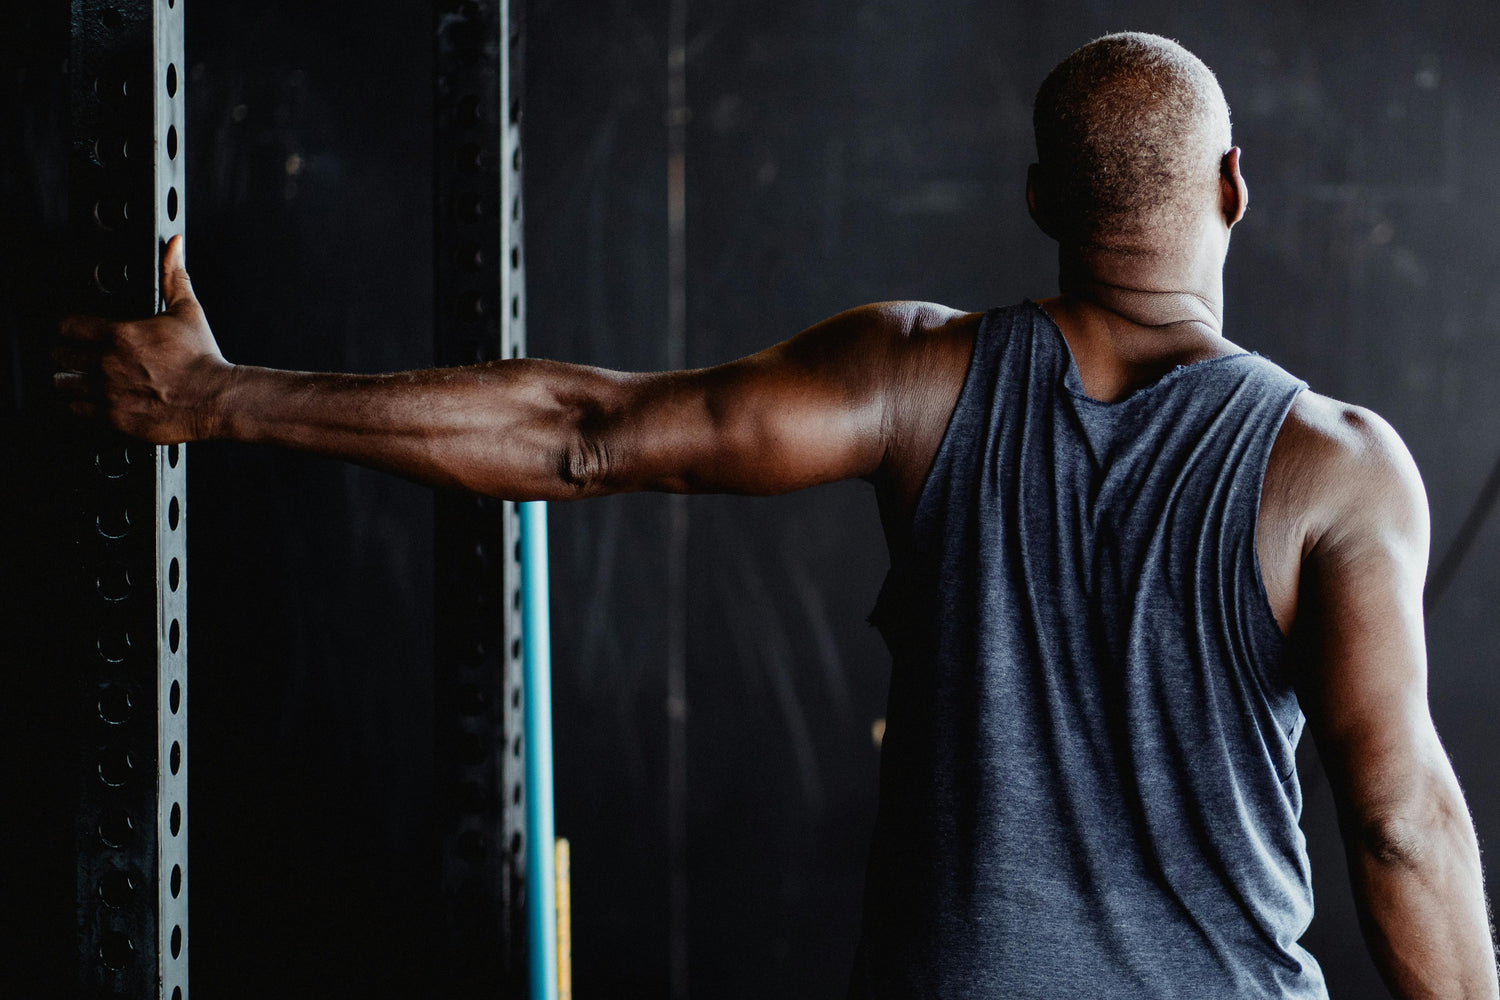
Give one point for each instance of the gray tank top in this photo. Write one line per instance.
(1087, 780)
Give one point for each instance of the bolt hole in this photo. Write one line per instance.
(174, 513)
(174, 634)
(176, 881)
(172, 204)
(115, 950)
(115, 705)
(174, 697)
(175, 820)
(175, 758)
(171, 142)
(116, 888)
(174, 574)
(176, 940)
(171, 79)
(174, 454)
(116, 828)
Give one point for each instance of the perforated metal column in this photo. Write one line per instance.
(128, 625)
(480, 317)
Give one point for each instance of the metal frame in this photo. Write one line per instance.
(480, 316)
(130, 650)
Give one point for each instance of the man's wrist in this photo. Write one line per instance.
(215, 416)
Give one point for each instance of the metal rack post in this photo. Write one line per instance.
(129, 651)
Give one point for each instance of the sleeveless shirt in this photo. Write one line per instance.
(1087, 778)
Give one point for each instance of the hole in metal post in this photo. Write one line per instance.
(113, 462)
(116, 888)
(176, 990)
(171, 142)
(174, 452)
(113, 584)
(469, 257)
(174, 574)
(174, 635)
(171, 79)
(175, 820)
(114, 648)
(468, 208)
(174, 697)
(115, 766)
(115, 705)
(174, 513)
(116, 828)
(471, 846)
(471, 748)
(113, 523)
(115, 950)
(176, 881)
(172, 204)
(466, 113)
(176, 940)
(174, 759)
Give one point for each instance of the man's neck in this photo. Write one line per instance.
(1175, 291)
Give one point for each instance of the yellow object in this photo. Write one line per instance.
(561, 860)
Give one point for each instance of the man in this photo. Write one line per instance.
(1126, 557)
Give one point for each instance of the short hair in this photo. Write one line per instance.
(1130, 131)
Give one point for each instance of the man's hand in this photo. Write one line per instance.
(157, 379)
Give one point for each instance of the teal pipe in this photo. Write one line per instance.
(536, 670)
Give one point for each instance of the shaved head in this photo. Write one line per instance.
(1130, 133)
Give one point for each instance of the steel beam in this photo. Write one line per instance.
(480, 316)
(129, 640)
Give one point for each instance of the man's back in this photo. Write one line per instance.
(1088, 776)
(1138, 182)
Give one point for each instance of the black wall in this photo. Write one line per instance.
(838, 153)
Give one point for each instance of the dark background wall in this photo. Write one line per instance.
(838, 153)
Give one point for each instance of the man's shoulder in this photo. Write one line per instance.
(1348, 468)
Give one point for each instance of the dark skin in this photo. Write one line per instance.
(1342, 535)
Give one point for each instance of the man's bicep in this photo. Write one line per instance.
(807, 411)
(1363, 679)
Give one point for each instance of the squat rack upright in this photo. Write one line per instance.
(129, 654)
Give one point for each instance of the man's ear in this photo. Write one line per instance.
(1037, 201)
(1234, 194)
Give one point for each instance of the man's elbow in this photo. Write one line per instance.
(1430, 829)
(583, 466)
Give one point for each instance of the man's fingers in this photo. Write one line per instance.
(84, 329)
(74, 385)
(75, 357)
(176, 286)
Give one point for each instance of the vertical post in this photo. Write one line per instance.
(541, 901)
(675, 597)
(129, 651)
(479, 695)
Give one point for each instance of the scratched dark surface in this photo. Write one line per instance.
(838, 153)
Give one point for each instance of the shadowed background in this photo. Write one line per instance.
(837, 153)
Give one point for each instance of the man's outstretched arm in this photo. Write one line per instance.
(813, 409)
(1412, 852)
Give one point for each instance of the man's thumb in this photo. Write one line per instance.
(176, 286)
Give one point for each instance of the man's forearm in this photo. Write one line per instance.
(1422, 906)
(508, 428)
